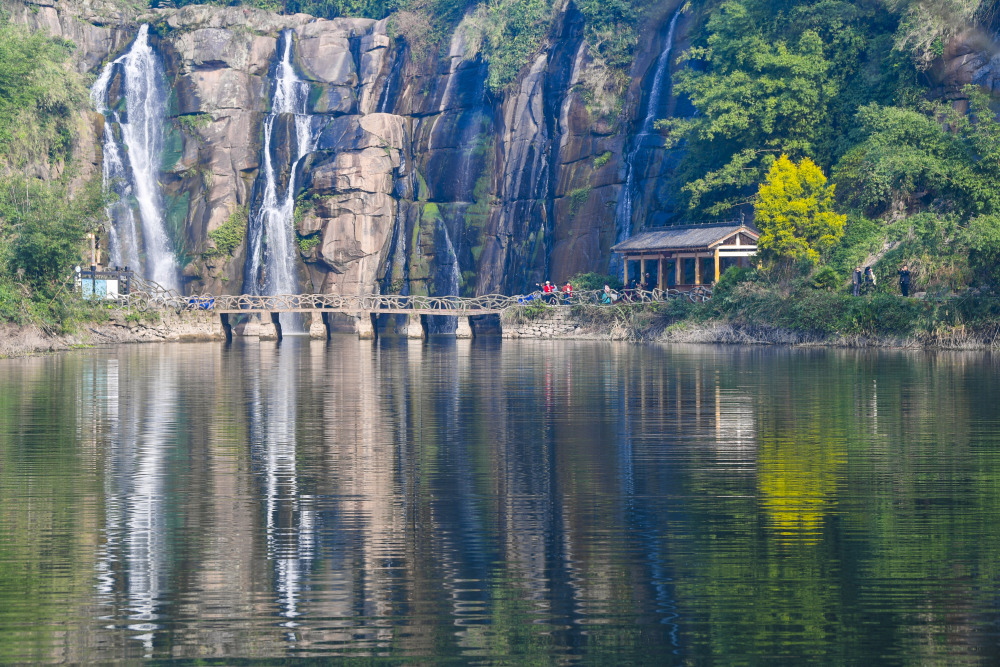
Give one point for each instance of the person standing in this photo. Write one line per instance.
(607, 296)
(567, 291)
(904, 280)
(857, 278)
(869, 279)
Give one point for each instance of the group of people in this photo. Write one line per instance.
(550, 292)
(864, 279)
(553, 293)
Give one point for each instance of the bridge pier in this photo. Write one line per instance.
(415, 327)
(263, 328)
(318, 328)
(464, 330)
(276, 323)
(227, 328)
(365, 326)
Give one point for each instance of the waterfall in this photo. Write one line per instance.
(132, 164)
(450, 267)
(271, 258)
(389, 90)
(624, 215)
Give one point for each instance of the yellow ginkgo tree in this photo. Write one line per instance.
(794, 213)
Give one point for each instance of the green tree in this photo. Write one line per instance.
(776, 77)
(794, 211)
(908, 159)
(983, 240)
(46, 228)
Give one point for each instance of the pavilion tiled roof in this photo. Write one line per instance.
(686, 236)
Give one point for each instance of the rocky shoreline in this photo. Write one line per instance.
(561, 323)
(556, 323)
(26, 340)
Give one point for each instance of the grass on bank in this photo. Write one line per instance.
(744, 301)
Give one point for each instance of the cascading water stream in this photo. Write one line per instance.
(625, 207)
(132, 165)
(270, 267)
(462, 77)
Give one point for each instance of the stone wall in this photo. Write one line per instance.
(556, 322)
(188, 325)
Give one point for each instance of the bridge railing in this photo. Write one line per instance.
(149, 296)
(697, 294)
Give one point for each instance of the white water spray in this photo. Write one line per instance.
(270, 265)
(131, 166)
(624, 217)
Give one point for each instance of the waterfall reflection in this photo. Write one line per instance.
(133, 565)
(394, 495)
(465, 501)
(289, 515)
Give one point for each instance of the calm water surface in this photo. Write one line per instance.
(477, 502)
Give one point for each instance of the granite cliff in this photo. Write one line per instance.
(418, 178)
(421, 179)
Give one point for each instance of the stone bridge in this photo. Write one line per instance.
(365, 309)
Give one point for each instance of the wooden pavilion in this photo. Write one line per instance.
(686, 256)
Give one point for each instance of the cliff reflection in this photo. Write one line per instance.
(462, 500)
(408, 496)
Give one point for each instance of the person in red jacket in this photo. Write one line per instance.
(567, 291)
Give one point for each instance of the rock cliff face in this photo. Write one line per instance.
(422, 181)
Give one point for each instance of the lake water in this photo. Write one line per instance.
(479, 502)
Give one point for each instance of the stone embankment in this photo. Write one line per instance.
(554, 322)
(19, 341)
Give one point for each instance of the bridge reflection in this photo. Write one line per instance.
(384, 496)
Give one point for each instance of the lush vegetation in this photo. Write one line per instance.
(229, 236)
(840, 86)
(794, 212)
(46, 211)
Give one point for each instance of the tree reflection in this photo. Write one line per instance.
(540, 502)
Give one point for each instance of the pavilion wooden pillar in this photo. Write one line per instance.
(627, 258)
(717, 265)
(697, 269)
(678, 270)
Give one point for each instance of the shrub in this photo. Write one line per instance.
(733, 276)
(983, 239)
(592, 281)
(794, 211)
(307, 243)
(883, 314)
(602, 159)
(229, 236)
(825, 278)
(577, 198)
(12, 303)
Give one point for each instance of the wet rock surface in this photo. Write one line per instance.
(422, 180)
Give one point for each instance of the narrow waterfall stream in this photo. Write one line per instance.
(271, 256)
(459, 123)
(623, 219)
(132, 163)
